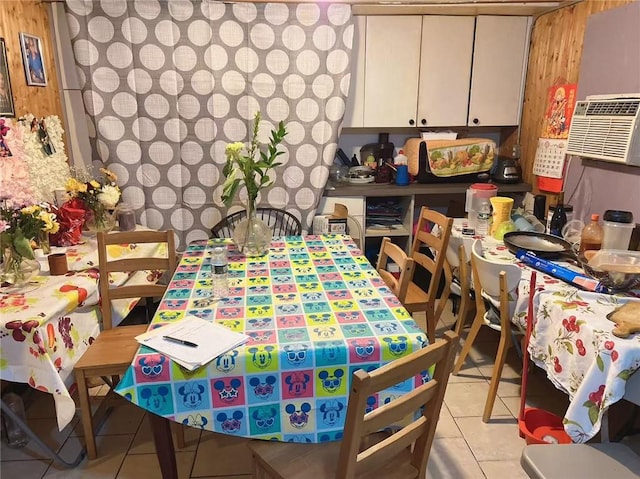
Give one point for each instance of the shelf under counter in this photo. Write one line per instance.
(380, 189)
(381, 232)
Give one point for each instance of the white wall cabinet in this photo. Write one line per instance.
(437, 71)
(499, 66)
(392, 56)
(354, 110)
(445, 70)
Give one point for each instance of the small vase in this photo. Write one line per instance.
(252, 236)
(96, 222)
(17, 270)
(43, 242)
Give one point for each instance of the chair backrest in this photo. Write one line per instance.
(429, 395)
(489, 272)
(108, 265)
(281, 223)
(437, 244)
(400, 285)
(355, 231)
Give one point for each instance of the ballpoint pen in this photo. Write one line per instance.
(180, 341)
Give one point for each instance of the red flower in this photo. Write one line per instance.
(609, 345)
(614, 355)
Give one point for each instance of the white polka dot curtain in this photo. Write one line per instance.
(167, 84)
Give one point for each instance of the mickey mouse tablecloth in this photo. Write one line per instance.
(315, 310)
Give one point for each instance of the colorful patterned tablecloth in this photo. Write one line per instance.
(46, 325)
(572, 340)
(315, 310)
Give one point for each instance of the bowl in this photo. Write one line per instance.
(618, 270)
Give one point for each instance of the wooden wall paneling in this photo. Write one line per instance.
(555, 53)
(32, 17)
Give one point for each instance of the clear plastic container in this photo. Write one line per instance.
(478, 195)
(617, 228)
(126, 217)
(16, 437)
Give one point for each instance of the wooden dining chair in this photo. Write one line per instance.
(457, 274)
(418, 299)
(358, 454)
(112, 351)
(400, 284)
(497, 282)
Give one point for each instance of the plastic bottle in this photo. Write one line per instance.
(400, 158)
(16, 437)
(559, 218)
(219, 268)
(483, 217)
(592, 234)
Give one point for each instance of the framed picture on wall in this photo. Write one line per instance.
(33, 60)
(6, 97)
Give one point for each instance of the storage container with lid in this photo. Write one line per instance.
(617, 227)
(477, 195)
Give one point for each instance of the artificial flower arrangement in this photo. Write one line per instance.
(19, 228)
(99, 196)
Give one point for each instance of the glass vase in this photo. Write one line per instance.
(252, 236)
(17, 270)
(103, 221)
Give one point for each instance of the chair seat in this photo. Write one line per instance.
(561, 461)
(111, 349)
(319, 461)
(416, 299)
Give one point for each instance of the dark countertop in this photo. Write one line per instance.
(379, 189)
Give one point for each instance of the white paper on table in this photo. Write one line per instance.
(212, 340)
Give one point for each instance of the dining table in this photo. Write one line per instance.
(572, 339)
(314, 309)
(48, 323)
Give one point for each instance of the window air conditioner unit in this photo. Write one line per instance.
(607, 127)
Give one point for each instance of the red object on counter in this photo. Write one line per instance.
(71, 216)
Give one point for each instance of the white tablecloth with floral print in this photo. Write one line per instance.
(572, 340)
(46, 325)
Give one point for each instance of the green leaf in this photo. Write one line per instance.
(624, 374)
(593, 414)
(22, 245)
(600, 363)
(569, 346)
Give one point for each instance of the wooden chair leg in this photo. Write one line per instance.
(501, 356)
(178, 430)
(462, 314)
(478, 321)
(431, 324)
(85, 414)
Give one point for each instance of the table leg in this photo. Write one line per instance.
(163, 440)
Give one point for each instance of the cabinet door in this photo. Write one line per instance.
(445, 70)
(499, 66)
(391, 76)
(354, 111)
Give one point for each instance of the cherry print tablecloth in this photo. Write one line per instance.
(315, 310)
(46, 325)
(572, 340)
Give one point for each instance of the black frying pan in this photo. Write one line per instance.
(541, 244)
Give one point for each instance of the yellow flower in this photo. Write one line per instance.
(30, 210)
(95, 184)
(110, 175)
(49, 220)
(234, 149)
(75, 186)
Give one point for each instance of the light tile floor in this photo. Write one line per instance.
(464, 446)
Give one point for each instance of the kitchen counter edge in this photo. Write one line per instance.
(380, 189)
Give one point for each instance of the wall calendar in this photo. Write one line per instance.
(550, 156)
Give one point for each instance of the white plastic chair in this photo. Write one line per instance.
(355, 231)
(498, 282)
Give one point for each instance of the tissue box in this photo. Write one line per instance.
(324, 224)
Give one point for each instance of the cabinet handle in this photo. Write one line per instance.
(423, 121)
(476, 121)
(411, 122)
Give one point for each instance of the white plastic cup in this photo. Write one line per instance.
(616, 235)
